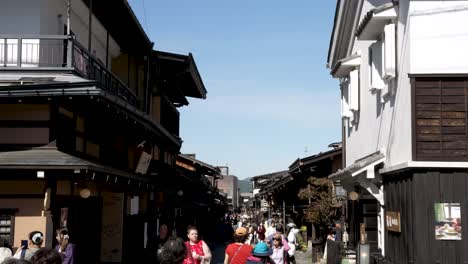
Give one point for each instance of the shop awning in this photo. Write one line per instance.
(364, 164)
(50, 158)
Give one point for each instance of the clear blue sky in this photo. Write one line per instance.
(270, 95)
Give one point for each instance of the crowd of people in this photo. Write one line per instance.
(250, 242)
(32, 252)
(246, 240)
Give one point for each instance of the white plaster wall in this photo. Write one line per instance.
(19, 17)
(439, 36)
(383, 124)
(52, 24)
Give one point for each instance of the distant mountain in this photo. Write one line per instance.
(245, 185)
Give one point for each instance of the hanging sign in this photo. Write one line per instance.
(392, 221)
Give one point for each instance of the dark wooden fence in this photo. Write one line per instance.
(413, 194)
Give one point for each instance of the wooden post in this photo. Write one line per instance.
(284, 217)
(107, 49)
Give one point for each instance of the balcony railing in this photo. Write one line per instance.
(170, 117)
(55, 52)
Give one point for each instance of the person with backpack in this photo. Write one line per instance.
(292, 242)
(239, 251)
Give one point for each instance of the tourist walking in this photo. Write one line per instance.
(280, 248)
(239, 251)
(64, 247)
(260, 254)
(292, 242)
(198, 250)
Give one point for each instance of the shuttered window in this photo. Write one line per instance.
(440, 119)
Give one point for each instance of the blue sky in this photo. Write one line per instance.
(270, 95)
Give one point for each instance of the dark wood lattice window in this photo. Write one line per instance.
(7, 221)
(440, 118)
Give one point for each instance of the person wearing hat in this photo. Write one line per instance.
(238, 252)
(35, 240)
(260, 254)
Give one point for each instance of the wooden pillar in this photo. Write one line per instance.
(90, 23)
(107, 50)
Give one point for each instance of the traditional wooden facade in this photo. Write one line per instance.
(402, 77)
(275, 189)
(89, 126)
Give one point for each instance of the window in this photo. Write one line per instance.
(345, 111)
(7, 225)
(155, 152)
(389, 60)
(353, 90)
(375, 65)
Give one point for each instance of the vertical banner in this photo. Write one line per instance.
(112, 227)
(63, 217)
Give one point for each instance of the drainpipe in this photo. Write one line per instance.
(69, 42)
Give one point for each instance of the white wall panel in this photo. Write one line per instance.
(439, 36)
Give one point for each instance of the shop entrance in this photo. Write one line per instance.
(83, 220)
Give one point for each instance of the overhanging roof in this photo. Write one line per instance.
(371, 26)
(268, 175)
(214, 171)
(314, 158)
(181, 70)
(275, 182)
(117, 16)
(358, 166)
(342, 36)
(89, 88)
(346, 65)
(50, 158)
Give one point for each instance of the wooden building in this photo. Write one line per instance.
(273, 191)
(403, 78)
(89, 125)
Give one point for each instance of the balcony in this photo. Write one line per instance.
(60, 52)
(170, 117)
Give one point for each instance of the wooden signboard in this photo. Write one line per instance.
(392, 221)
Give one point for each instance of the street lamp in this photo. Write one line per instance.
(340, 192)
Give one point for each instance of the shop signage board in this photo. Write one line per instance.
(392, 221)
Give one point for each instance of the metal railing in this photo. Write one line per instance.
(51, 52)
(33, 51)
(169, 116)
(90, 67)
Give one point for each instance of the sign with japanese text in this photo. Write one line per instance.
(392, 221)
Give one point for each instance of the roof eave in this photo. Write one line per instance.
(376, 18)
